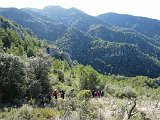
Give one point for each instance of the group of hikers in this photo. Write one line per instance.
(97, 93)
(54, 94)
(43, 98)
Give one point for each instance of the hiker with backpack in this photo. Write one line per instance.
(93, 93)
(41, 99)
(49, 97)
(97, 93)
(62, 94)
(102, 93)
(55, 93)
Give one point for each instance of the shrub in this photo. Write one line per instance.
(42, 113)
(121, 92)
(68, 81)
(13, 78)
(28, 113)
(39, 81)
(84, 94)
(60, 75)
(151, 83)
(127, 92)
(88, 78)
(87, 111)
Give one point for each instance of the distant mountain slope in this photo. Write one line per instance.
(70, 17)
(58, 11)
(145, 44)
(16, 40)
(146, 26)
(43, 26)
(107, 57)
(108, 48)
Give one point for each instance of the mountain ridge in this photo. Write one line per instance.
(74, 31)
(140, 24)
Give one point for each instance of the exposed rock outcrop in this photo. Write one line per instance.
(62, 55)
(66, 56)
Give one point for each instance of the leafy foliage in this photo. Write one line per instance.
(38, 76)
(13, 79)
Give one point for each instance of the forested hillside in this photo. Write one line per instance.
(30, 68)
(42, 26)
(26, 68)
(111, 43)
(129, 36)
(108, 57)
(146, 26)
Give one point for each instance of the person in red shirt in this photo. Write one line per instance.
(55, 93)
(97, 93)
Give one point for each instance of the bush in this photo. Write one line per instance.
(87, 111)
(13, 78)
(28, 113)
(60, 75)
(30, 53)
(127, 92)
(88, 78)
(42, 113)
(68, 81)
(39, 81)
(151, 83)
(84, 94)
(122, 92)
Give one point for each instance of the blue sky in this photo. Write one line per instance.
(146, 8)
